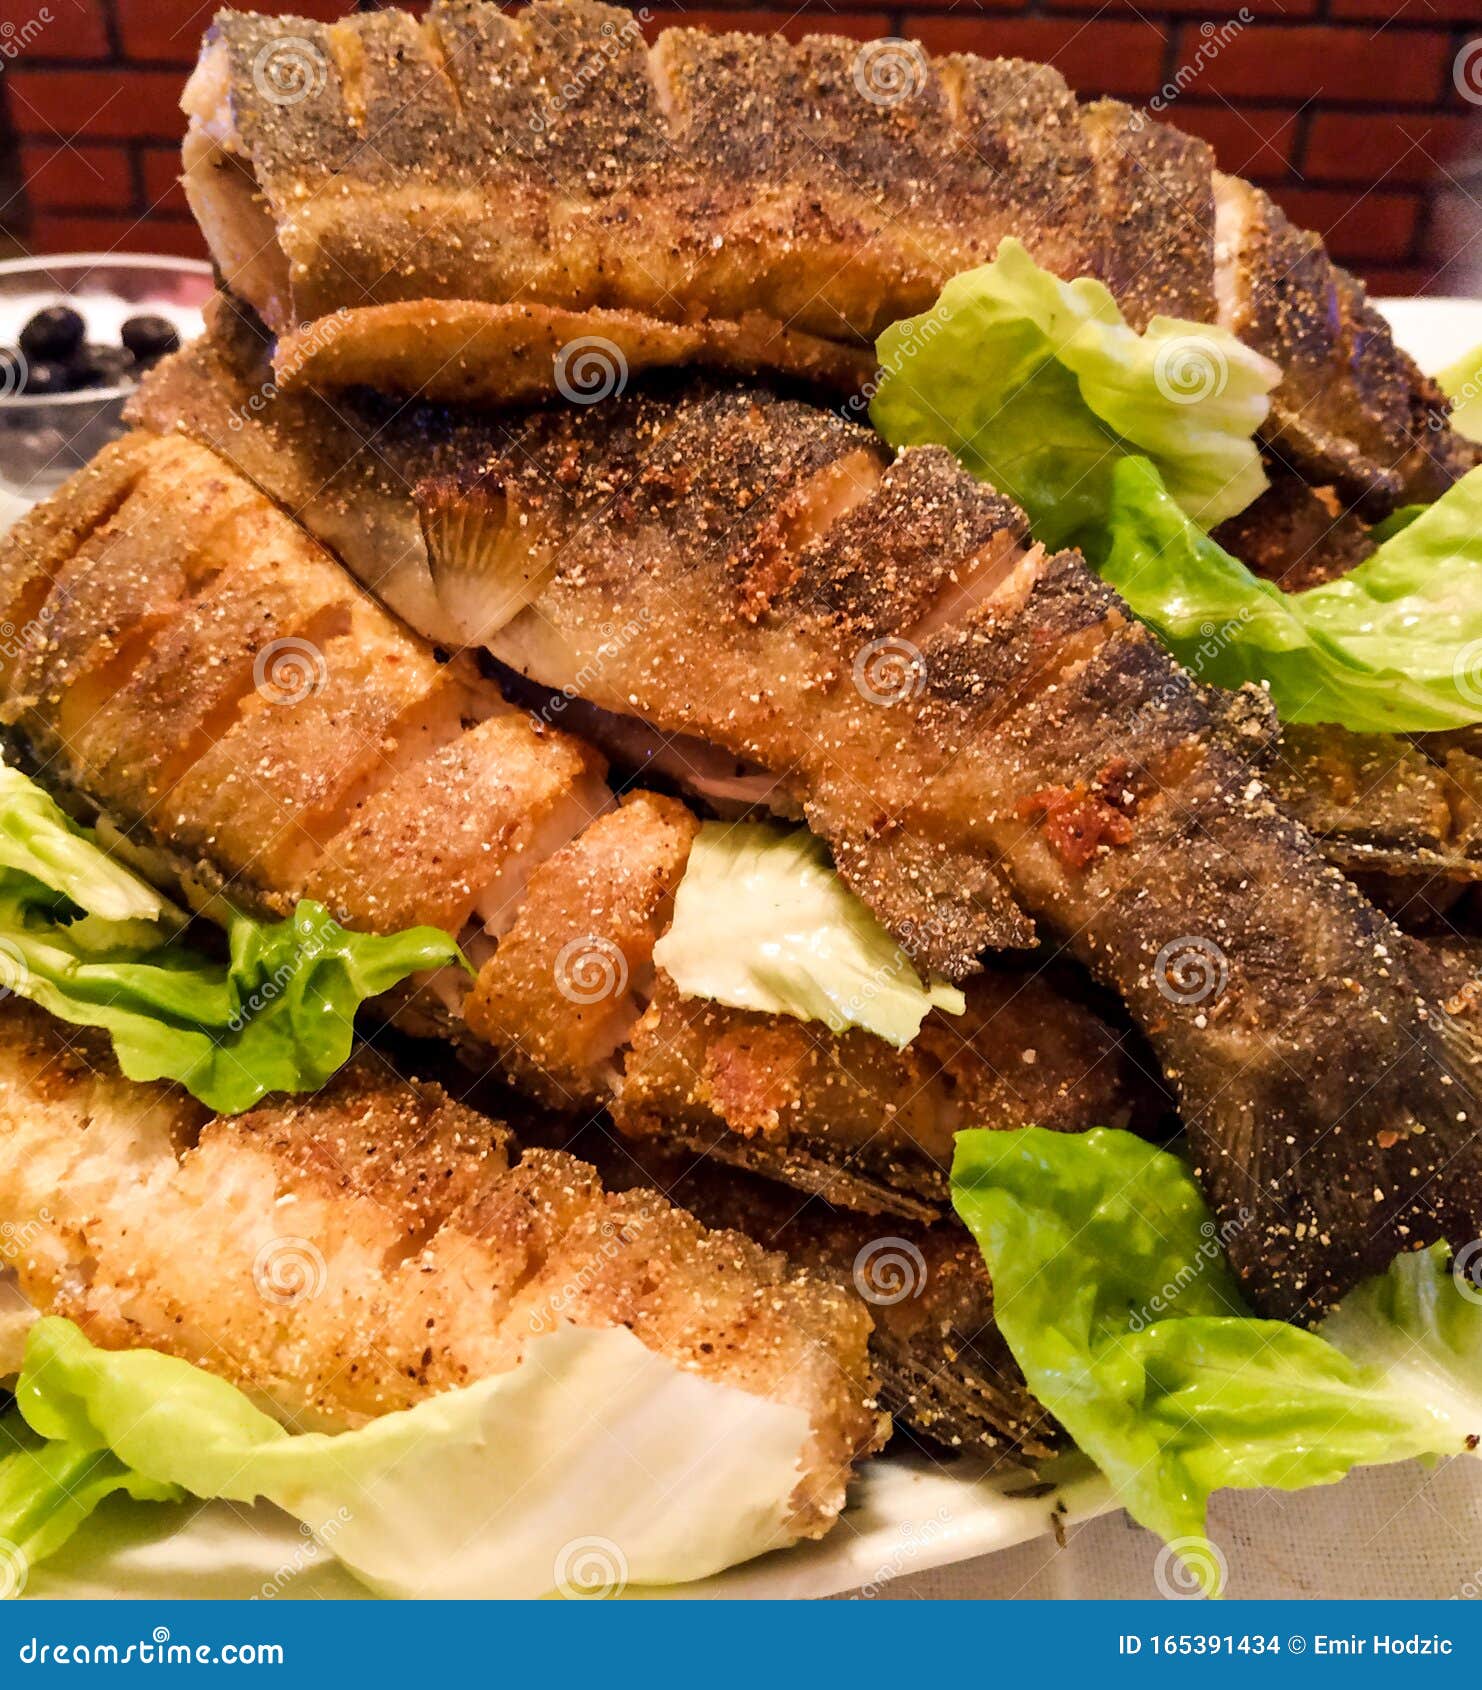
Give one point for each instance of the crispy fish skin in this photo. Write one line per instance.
(345, 469)
(1402, 817)
(1383, 803)
(864, 1124)
(221, 685)
(452, 809)
(424, 1253)
(1295, 535)
(756, 557)
(436, 198)
(1043, 730)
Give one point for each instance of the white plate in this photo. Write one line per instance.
(1435, 332)
(906, 1515)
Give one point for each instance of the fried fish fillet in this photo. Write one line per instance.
(1385, 804)
(946, 703)
(1296, 535)
(847, 1117)
(188, 662)
(945, 1370)
(348, 1254)
(973, 726)
(436, 205)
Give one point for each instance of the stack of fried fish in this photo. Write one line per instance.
(558, 635)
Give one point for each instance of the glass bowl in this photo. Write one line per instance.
(45, 437)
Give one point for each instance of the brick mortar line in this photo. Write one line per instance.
(112, 27)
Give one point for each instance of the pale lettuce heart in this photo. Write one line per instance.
(592, 1466)
(763, 922)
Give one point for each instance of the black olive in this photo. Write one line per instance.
(53, 336)
(101, 366)
(149, 338)
(49, 378)
(12, 371)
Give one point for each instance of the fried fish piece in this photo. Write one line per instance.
(339, 759)
(1402, 816)
(973, 726)
(463, 204)
(882, 635)
(1295, 535)
(945, 1371)
(423, 1252)
(848, 1117)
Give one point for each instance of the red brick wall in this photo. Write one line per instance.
(1355, 112)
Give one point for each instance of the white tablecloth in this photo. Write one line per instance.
(1386, 1531)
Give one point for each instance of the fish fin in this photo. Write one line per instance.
(482, 576)
(917, 1194)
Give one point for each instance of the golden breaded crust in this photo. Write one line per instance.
(449, 167)
(564, 988)
(353, 1252)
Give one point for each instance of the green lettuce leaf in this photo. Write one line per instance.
(1111, 1288)
(47, 1490)
(38, 840)
(537, 1480)
(1394, 646)
(1461, 382)
(93, 943)
(1041, 387)
(762, 922)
